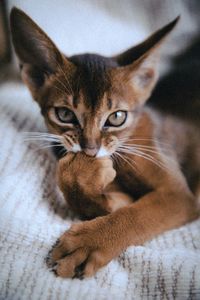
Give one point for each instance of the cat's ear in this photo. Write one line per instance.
(139, 65)
(39, 57)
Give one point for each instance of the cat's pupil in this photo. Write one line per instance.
(118, 115)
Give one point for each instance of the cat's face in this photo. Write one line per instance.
(91, 106)
(90, 101)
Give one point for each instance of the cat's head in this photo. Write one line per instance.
(91, 101)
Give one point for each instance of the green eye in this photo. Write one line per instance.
(116, 119)
(65, 115)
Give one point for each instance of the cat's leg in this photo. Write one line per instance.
(90, 245)
(116, 198)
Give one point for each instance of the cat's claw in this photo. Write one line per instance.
(79, 271)
(48, 260)
(83, 250)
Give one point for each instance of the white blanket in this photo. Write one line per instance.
(33, 215)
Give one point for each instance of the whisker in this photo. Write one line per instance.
(115, 158)
(41, 136)
(51, 146)
(142, 149)
(68, 88)
(50, 139)
(125, 159)
(64, 86)
(47, 143)
(135, 151)
(63, 151)
(147, 149)
(65, 75)
(147, 157)
(46, 146)
(155, 140)
(61, 90)
(44, 140)
(39, 133)
(146, 146)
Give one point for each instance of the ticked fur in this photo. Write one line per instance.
(122, 159)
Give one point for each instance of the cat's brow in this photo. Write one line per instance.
(76, 101)
(109, 103)
(64, 101)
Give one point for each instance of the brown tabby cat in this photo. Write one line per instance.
(117, 161)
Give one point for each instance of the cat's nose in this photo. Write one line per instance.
(91, 151)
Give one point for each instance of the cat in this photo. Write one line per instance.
(122, 163)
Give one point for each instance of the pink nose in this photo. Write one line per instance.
(91, 151)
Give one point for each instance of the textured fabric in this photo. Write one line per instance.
(33, 214)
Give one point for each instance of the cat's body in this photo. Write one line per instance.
(170, 141)
(123, 159)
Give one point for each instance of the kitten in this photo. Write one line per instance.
(123, 158)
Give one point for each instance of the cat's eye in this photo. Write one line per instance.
(116, 119)
(65, 115)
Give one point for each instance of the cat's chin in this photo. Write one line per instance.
(102, 152)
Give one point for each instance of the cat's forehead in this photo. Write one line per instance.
(93, 61)
(93, 76)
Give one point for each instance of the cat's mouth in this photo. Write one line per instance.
(94, 152)
(106, 148)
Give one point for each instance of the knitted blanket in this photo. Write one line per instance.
(33, 214)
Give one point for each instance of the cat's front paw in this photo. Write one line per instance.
(83, 249)
(93, 175)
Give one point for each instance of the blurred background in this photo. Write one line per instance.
(100, 26)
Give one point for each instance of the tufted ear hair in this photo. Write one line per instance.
(38, 55)
(138, 65)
